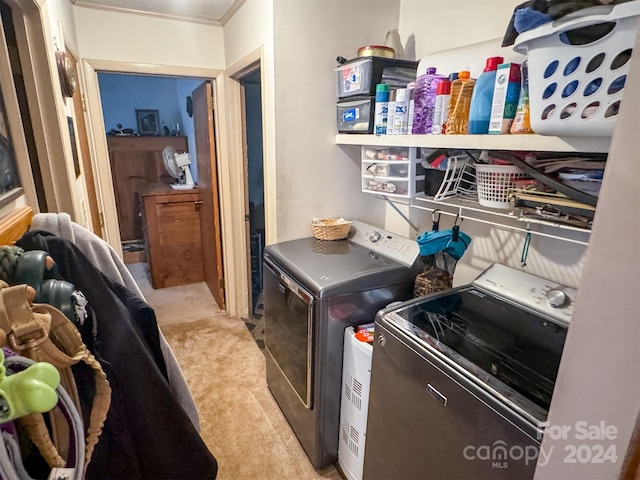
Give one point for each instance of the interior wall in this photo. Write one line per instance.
(315, 177)
(108, 35)
(62, 23)
(112, 41)
(122, 94)
(433, 27)
(251, 29)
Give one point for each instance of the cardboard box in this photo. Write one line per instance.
(506, 91)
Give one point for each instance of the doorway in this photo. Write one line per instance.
(138, 160)
(136, 157)
(252, 131)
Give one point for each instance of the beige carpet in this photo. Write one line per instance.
(241, 423)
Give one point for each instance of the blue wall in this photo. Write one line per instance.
(121, 94)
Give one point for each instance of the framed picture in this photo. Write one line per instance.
(148, 122)
(74, 148)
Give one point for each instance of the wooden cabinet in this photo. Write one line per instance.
(172, 235)
(136, 162)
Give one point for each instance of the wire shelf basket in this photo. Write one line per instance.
(459, 179)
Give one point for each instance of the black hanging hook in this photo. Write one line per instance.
(455, 230)
(436, 220)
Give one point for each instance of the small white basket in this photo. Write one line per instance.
(576, 89)
(495, 182)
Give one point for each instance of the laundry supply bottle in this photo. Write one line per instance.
(482, 98)
(391, 111)
(381, 109)
(443, 94)
(522, 121)
(411, 86)
(402, 112)
(424, 101)
(461, 92)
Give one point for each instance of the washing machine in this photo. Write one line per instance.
(313, 290)
(462, 380)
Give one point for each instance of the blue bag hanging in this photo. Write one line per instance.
(458, 243)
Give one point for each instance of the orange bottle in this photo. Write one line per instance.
(522, 121)
(461, 91)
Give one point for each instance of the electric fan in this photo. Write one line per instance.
(178, 166)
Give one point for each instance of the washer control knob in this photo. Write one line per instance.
(374, 236)
(557, 298)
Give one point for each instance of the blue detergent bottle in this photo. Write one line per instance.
(480, 109)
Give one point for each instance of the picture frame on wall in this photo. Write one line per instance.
(148, 121)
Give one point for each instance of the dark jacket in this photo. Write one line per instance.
(147, 434)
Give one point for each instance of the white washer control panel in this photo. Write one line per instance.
(541, 295)
(391, 245)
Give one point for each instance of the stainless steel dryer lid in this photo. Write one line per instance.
(364, 261)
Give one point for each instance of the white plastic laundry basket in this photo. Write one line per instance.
(576, 89)
(495, 183)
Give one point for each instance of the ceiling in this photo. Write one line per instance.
(215, 12)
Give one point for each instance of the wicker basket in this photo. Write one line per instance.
(432, 280)
(330, 228)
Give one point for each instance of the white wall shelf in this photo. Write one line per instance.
(472, 210)
(541, 143)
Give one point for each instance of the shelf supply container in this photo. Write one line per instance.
(482, 97)
(381, 109)
(392, 171)
(401, 112)
(441, 112)
(356, 115)
(360, 76)
(461, 92)
(522, 120)
(412, 107)
(495, 183)
(425, 99)
(575, 88)
(391, 110)
(505, 98)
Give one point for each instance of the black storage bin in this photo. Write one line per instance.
(432, 180)
(360, 76)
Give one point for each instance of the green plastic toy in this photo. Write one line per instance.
(31, 390)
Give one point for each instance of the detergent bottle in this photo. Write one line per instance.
(459, 101)
(480, 109)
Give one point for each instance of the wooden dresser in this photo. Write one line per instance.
(172, 235)
(135, 163)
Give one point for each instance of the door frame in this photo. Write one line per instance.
(227, 172)
(46, 111)
(235, 151)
